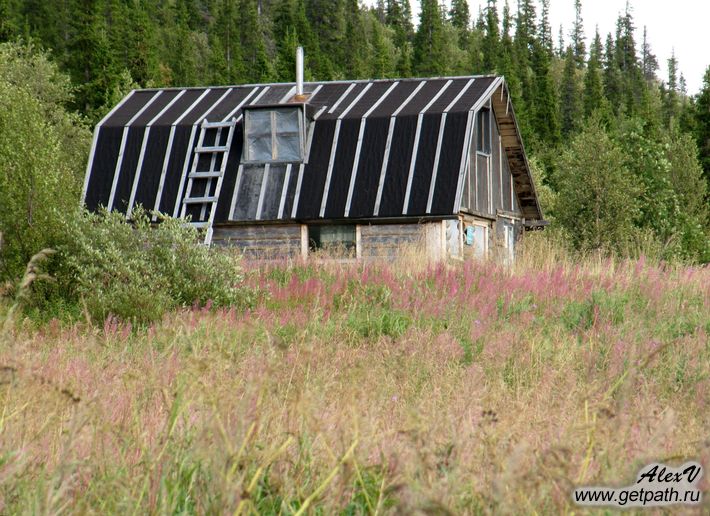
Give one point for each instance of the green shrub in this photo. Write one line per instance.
(137, 272)
(43, 152)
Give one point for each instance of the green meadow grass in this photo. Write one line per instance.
(364, 389)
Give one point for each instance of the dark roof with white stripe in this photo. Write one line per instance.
(375, 149)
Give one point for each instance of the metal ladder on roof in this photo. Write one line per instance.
(201, 194)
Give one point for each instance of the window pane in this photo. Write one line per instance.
(483, 131)
(288, 148)
(287, 121)
(479, 133)
(332, 237)
(273, 134)
(259, 122)
(260, 148)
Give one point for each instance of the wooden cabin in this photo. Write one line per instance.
(282, 170)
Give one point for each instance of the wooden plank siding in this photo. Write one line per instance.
(268, 241)
(388, 240)
(374, 241)
(491, 181)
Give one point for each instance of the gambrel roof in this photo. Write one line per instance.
(374, 149)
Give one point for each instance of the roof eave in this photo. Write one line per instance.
(515, 152)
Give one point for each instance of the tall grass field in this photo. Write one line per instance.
(381, 388)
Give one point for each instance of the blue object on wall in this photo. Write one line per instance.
(469, 235)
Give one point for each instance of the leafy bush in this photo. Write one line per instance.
(137, 272)
(43, 151)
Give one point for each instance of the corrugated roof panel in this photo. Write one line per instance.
(395, 184)
(232, 100)
(315, 171)
(369, 167)
(342, 168)
(423, 97)
(469, 98)
(209, 101)
(276, 94)
(372, 96)
(343, 103)
(449, 94)
(449, 163)
(106, 153)
(328, 94)
(176, 160)
(152, 166)
(177, 109)
(155, 107)
(423, 166)
(395, 99)
(134, 141)
(130, 107)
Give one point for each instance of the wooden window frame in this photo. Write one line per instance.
(246, 158)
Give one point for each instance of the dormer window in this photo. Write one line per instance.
(273, 134)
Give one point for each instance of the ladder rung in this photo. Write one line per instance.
(199, 200)
(217, 125)
(206, 150)
(205, 175)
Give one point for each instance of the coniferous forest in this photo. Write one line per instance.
(621, 155)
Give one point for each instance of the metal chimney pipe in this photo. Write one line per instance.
(299, 71)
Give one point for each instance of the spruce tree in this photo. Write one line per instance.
(526, 28)
(381, 61)
(255, 61)
(460, 18)
(702, 124)
(10, 19)
(612, 77)
(380, 11)
(633, 86)
(491, 40)
(578, 45)
(226, 43)
(570, 108)
(430, 57)
(354, 49)
(398, 18)
(89, 58)
(524, 41)
(181, 56)
(593, 89)
(669, 93)
(649, 62)
(327, 22)
(545, 111)
(545, 30)
(507, 55)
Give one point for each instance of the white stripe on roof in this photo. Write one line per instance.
(95, 139)
(388, 146)
(334, 147)
(144, 145)
(361, 135)
(440, 139)
(415, 150)
(122, 150)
